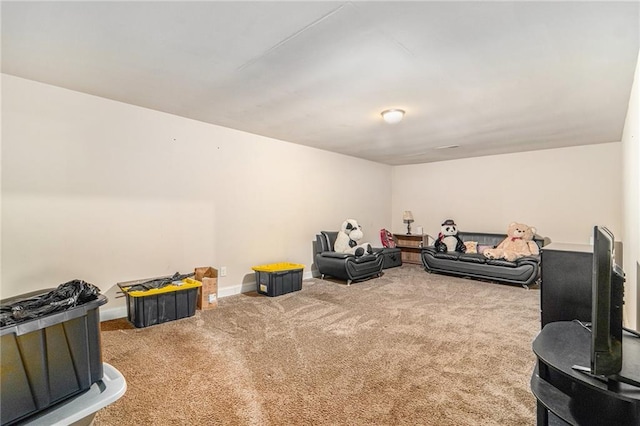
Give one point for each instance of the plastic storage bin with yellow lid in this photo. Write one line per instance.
(158, 305)
(276, 279)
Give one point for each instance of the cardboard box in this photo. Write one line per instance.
(208, 297)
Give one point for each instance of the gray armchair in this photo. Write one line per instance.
(344, 266)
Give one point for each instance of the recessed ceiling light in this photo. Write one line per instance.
(392, 116)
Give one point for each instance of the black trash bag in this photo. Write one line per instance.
(159, 282)
(67, 295)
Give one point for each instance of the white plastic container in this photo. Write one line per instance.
(81, 409)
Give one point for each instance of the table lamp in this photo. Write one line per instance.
(407, 218)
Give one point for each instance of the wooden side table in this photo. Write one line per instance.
(410, 247)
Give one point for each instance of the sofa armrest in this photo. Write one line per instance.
(429, 249)
(336, 255)
(366, 258)
(528, 259)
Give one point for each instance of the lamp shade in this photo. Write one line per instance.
(407, 216)
(392, 116)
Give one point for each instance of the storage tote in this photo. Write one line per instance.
(159, 305)
(278, 278)
(49, 359)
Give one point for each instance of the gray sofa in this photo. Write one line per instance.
(524, 271)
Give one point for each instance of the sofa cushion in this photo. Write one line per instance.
(501, 262)
(336, 255)
(472, 257)
(525, 259)
(365, 258)
(450, 255)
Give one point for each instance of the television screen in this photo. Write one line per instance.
(606, 315)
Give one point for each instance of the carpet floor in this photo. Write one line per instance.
(408, 348)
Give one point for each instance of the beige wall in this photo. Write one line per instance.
(631, 164)
(107, 192)
(562, 192)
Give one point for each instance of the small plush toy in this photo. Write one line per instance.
(448, 239)
(347, 240)
(519, 243)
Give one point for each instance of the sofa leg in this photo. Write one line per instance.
(322, 276)
(348, 282)
(537, 282)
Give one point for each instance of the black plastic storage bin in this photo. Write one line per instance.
(156, 306)
(49, 359)
(278, 278)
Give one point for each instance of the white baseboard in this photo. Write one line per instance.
(116, 307)
(110, 313)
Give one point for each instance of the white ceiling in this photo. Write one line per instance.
(490, 77)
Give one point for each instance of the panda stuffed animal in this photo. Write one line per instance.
(347, 240)
(448, 239)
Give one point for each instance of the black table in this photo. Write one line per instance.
(567, 396)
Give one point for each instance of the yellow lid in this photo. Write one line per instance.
(187, 283)
(277, 267)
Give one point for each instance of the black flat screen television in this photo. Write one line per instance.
(606, 314)
(606, 309)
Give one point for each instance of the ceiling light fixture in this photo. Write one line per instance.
(392, 116)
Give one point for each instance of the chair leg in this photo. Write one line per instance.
(348, 282)
(322, 276)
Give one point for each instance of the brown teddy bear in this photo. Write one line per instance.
(519, 243)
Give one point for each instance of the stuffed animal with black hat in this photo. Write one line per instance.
(448, 239)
